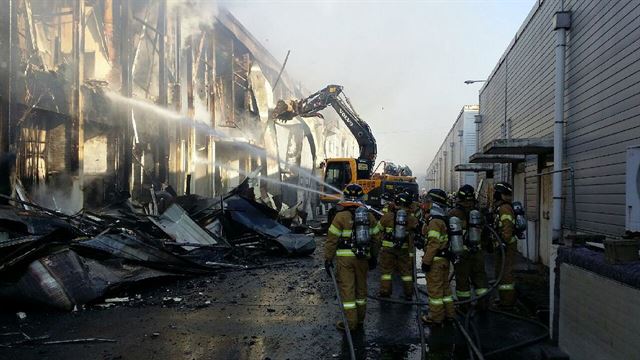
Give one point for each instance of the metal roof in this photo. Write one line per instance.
(176, 223)
(533, 146)
(479, 158)
(481, 167)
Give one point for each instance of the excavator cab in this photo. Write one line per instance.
(338, 173)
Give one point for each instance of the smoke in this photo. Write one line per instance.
(65, 201)
(409, 87)
(161, 113)
(195, 14)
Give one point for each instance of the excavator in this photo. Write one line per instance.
(339, 172)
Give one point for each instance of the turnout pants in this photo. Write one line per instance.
(506, 288)
(470, 271)
(399, 261)
(351, 275)
(440, 299)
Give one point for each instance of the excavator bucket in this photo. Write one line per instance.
(285, 110)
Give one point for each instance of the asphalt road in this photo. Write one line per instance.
(285, 312)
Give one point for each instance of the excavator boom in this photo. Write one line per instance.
(338, 172)
(333, 96)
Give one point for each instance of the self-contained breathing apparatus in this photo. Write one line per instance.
(520, 221)
(474, 231)
(456, 237)
(439, 212)
(360, 236)
(520, 226)
(400, 228)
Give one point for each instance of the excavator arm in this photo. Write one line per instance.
(331, 96)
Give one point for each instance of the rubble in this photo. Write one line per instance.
(62, 261)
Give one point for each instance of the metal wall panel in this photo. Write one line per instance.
(441, 167)
(602, 103)
(603, 112)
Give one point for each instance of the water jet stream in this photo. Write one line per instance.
(201, 126)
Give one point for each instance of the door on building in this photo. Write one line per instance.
(546, 201)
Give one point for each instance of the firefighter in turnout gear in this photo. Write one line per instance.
(435, 262)
(397, 253)
(353, 241)
(504, 224)
(470, 267)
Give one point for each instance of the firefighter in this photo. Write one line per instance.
(435, 262)
(397, 253)
(470, 267)
(353, 239)
(504, 223)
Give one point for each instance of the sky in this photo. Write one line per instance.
(402, 63)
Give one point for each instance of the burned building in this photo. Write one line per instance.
(112, 97)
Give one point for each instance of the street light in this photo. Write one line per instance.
(469, 82)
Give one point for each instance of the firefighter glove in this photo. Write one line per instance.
(426, 268)
(419, 242)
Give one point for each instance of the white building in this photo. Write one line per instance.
(458, 145)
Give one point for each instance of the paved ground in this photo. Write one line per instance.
(285, 312)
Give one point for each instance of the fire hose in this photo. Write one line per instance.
(473, 348)
(345, 322)
(423, 343)
(458, 302)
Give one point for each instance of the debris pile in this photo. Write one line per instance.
(62, 261)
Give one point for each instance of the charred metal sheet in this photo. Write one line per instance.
(177, 224)
(129, 247)
(25, 222)
(6, 241)
(65, 279)
(253, 217)
(296, 244)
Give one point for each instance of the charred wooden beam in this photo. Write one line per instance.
(75, 129)
(191, 140)
(162, 159)
(211, 86)
(5, 31)
(124, 171)
(108, 30)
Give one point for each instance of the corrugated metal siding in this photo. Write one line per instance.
(602, 102)
(441, 167)
(529, 70)
(469, 139)
(602, 108)
(492, 107)
(531, 187)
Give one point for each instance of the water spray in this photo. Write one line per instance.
(200, 126)
(273, 181)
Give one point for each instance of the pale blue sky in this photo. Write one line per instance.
(402, 63)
